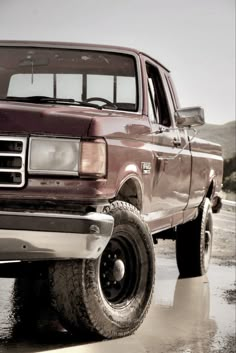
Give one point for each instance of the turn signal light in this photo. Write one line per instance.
(93, 158)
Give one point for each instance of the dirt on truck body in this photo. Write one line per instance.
(98, 161)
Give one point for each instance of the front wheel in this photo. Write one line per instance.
(110, 296)
(194, 243)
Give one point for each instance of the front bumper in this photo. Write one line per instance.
(44, 236)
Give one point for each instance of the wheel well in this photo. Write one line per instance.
(131, 192)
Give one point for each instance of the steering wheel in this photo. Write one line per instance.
(100, 99)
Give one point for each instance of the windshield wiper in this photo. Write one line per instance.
(45, 99)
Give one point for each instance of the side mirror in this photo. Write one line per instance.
(193, 116)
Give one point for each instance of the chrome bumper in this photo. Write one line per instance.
(43, 236)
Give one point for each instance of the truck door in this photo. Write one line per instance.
(171, 159)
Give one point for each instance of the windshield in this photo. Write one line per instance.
(99, 77)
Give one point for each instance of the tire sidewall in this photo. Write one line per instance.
(190, 243)
(129, 314)
(206, 224)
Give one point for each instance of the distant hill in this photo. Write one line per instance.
(222, 134)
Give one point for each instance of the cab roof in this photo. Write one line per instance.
(71, 45)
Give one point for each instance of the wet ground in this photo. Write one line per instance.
(195, 315)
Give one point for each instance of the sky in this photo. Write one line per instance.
(195, 39)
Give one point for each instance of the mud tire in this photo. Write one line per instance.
(80, 295)
(194, 243)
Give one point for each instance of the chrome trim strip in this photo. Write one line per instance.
(92, 216)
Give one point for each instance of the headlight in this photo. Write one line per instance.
(93, 158)
(53, 156)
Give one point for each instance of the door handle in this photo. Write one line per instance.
(176, 142)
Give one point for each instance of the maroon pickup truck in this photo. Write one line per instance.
(98, 161)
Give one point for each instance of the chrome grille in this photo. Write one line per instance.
(12, 161)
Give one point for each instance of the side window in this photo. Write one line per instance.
(58, 85)
(100, 86)
(23, 85)
(69, 86)
(157, 97)
(126, 89)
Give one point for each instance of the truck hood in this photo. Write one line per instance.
(73, 121)
(27, 118)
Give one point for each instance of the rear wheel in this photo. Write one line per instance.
(194, 243)
(110, 296)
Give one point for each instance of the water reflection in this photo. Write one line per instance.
(30, 320)
(31, 309)
(34, 326)
(184, 321)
